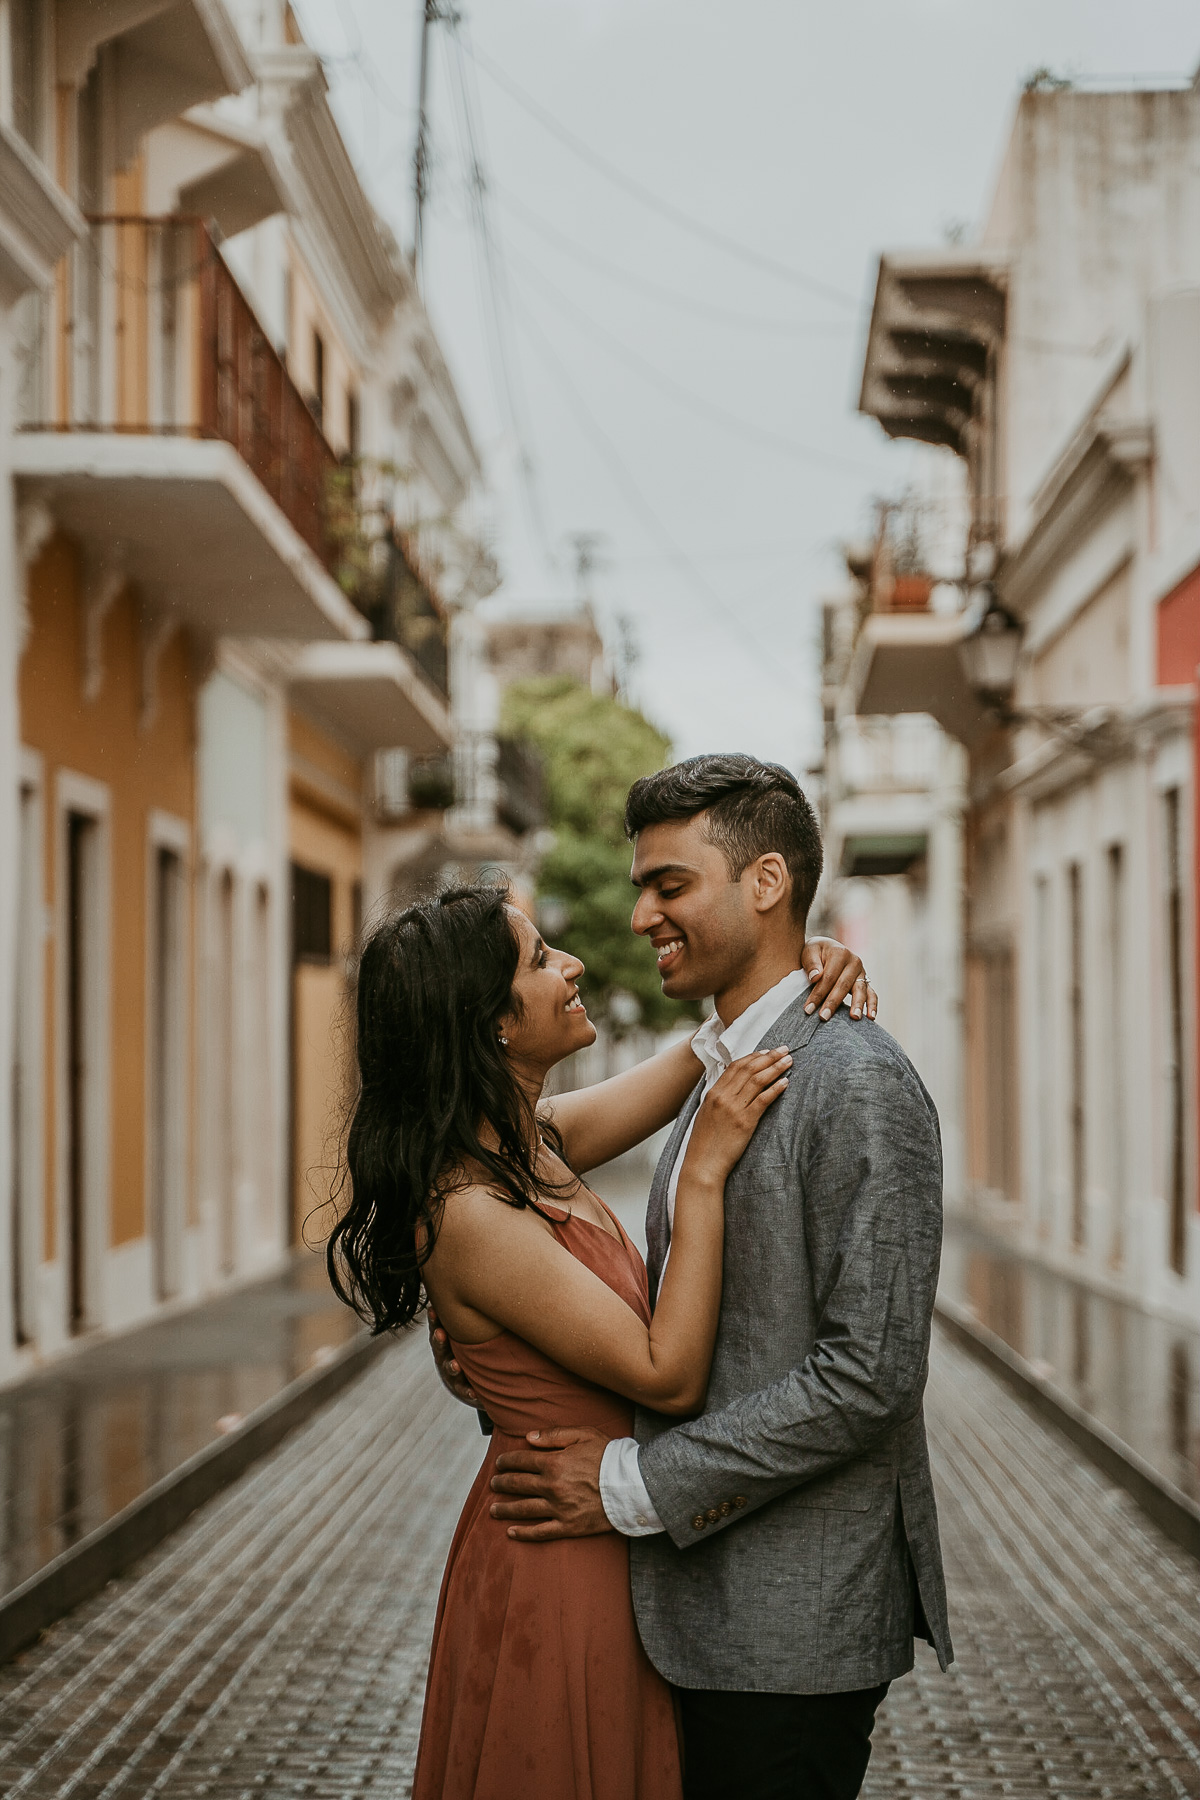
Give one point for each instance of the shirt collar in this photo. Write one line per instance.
(717, 1045)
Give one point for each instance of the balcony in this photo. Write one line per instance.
(520, 802)
(162, 429)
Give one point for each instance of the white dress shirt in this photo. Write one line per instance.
(623, 1494)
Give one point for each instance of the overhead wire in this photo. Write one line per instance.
(496, 300)
(665, 208)
(722, 315)
(740, 631)
(696, 403)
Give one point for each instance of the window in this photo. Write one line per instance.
(1044, 951)
(312, 916)
(1176, 1169)
(167, 1082)
(318, 393)
(1078, 1115)
(1114, 964)
(224, 1072)
(26, 1169)
(80, 949)
(262, 988)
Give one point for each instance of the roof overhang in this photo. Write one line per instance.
(38, 223)
(936, 322)
(236, 180)
(910, 663)
(174, 53)
(881, 853)
(371, 697)
(187, 523)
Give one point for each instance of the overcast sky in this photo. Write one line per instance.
(715, 454)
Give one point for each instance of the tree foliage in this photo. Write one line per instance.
(594, 748)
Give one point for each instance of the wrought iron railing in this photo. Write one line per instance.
(520, 801)
(156, 337)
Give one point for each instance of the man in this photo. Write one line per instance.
(784, 1544)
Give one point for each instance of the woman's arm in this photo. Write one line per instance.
(507, 1270)
(600, 1122)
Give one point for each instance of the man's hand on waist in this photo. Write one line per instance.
(447, 1364)
(550, 1487)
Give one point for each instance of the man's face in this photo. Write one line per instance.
(703, 926)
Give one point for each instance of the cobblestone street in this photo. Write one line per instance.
(277, 1644)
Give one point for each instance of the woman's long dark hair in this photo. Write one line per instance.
(433, 984)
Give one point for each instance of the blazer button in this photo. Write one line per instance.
(698, 1522)
(713, 1515)
(725, 1509)
(739, 1499)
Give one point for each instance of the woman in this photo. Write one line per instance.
(464, 1189)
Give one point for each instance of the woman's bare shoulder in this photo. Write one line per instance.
(473, 1211)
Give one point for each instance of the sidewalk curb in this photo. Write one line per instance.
(84, 1569)
(1170, 1509)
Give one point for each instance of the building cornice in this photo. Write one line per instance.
(38, 222)
(1104, 734)
(1094, 473)
(334, 207)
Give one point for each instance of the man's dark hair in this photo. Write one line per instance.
(751, 808)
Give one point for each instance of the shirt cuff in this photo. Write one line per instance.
(623, 1494)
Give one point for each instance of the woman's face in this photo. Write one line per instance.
(549, 1020)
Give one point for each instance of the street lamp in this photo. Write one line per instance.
(989, 655)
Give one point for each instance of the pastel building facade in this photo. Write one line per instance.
(237, 512)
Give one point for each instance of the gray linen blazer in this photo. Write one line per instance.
(801, 1550)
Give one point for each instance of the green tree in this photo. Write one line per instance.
(594, 748)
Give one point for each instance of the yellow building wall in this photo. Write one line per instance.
(324, 835)
(143, 770)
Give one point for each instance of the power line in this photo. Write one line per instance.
(716, 415)
(665, 208)
(737, 626)
(495, 299)
(687, 302)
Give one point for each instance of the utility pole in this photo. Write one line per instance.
(421, 159)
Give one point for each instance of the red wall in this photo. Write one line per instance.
(1179, 633)
(1178, 659)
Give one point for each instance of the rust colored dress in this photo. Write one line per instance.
(539, 1688)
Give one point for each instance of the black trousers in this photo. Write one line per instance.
(776, 1746)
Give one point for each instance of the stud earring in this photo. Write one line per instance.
(504, 1041)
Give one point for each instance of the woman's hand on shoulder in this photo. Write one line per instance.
(730, 1111)
(836, 975)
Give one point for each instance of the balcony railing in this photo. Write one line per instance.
(155, 337)
(521, 799)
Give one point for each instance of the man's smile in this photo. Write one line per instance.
(668, 953)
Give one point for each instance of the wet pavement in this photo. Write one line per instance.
(277, 1644)
(1132, 1370)
(94, 1431)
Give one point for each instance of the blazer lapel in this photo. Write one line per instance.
(794, 1027)
(658, 1231)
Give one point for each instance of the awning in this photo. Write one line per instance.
(371, 697)
(185, 521)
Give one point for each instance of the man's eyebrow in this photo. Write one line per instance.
(656, 874)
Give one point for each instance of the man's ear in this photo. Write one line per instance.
(770, 882)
